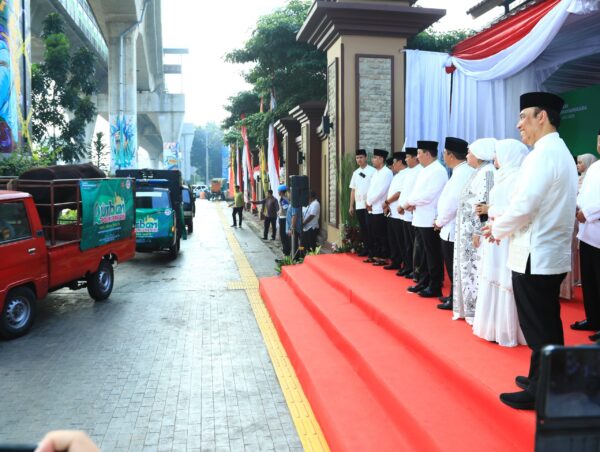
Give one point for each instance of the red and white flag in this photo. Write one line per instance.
(273, 156)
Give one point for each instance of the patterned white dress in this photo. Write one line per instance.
(466, 256)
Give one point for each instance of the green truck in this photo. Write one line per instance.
(160, 223)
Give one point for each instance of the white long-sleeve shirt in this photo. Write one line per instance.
(588, 202)
(428, 187)
(396, 187)
(448, 202)
(361, 178)
(378, 188)
(407, 187)
(541, 214)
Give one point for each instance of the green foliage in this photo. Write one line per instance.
(99, 154)
(347, 167)
(63, 83)
(16, 163)
(208, 137)
(287, 260)
(294, 71)
(438, 41)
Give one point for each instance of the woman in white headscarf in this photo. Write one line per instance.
(584, 161)
(496, 316)
(467, 249)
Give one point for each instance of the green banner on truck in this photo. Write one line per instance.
(108, 211)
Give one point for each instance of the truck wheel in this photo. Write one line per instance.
(18, 313)
(174, 249)
(100, 283)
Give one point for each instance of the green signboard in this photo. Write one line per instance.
(580, 120)
(153, 224)
(107, 211)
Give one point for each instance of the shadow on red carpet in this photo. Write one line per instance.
(384, 370)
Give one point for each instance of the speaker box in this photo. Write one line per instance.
(299, 191)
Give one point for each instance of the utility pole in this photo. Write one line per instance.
(206, 148)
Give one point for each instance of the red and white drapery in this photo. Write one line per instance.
(511, 45)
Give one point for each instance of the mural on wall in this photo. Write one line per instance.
(123, 141)
(171, 156)
(15, 71)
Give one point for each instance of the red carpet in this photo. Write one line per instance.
(385, 370)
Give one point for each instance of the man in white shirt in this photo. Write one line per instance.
(423, 202)
(310, 222)
(588, 216)
(376, 195)
(408, 184)
(390, 209)
(455, 155)
(359, 184)
(539, 221)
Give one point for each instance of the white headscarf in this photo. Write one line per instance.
(510, 154)
(586, 160)
(484, 148)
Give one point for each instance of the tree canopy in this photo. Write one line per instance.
(208, 138)
(63, 82)
(438, 41)
(294, 71)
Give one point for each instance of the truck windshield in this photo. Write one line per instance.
(158, 199)
(185, 194)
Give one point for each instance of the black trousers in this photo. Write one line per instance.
(434, 265)
(395, 240)
(538, 308)
(309, 239)
(589, 257)
(377, 236)
(408, 245)
(419, 261)
(286, 245)
(361, 216)
(273, 223)
(237, 211)
(448, 255)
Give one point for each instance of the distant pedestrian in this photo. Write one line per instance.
(238, 206)
(271, 209)
(310, 223)
(284, 205)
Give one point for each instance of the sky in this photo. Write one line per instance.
(210, 29)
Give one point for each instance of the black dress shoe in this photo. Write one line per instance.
(428, 292)
(522, 382)
(409, 276)
(443, 299)
(404, 272)
(363, 254)
(583, 325)
(522, 400)
(369, 261)
(391, 267)
(379, 263)
(595, 337)
(446, 306)
(417, 288)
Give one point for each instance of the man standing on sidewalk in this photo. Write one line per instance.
(271, 209)
(284, 205)
(238, 206)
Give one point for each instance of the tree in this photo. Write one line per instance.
(294, 71)
(98, 154)
(208, 137)
(62, 86)
(438, 41)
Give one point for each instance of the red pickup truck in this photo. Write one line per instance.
(40, 253)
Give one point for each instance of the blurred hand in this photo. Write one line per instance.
(580, 217)
(411, 208)
(67, 441)
(351, 211)
(487, 234)
(476, 241)
(400, 210)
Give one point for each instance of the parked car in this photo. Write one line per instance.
(189, 207)
(41, 254)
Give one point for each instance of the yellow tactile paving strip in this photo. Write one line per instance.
(308, 428)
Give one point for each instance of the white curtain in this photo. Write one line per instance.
(427, 97)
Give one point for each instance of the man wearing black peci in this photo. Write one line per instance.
(359, 185)
(539, 221)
